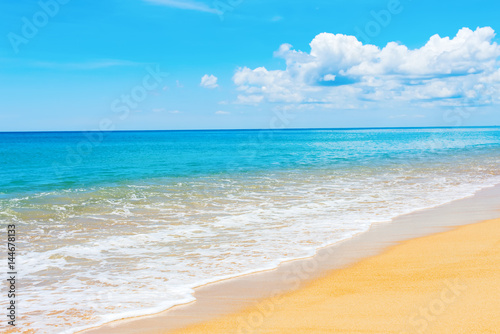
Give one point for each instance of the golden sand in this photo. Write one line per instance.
(443, 283)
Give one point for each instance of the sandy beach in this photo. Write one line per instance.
(442, 283)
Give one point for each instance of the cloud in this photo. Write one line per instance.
(341, 71)
(250, 99)
(220, 112)
(186, 4)
(209, 81)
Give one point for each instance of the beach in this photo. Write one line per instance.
(423, 273)
(236, 167)
(443, 283)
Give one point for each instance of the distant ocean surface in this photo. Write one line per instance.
(128, 223)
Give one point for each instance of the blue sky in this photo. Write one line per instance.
(247, 64)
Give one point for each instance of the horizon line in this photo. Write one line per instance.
(262, 129)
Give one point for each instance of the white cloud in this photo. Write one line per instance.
(250, 99)
(209, 81)
(220, 112)
(492, 78)
(186, 4)
(341, 71)
(329, 77)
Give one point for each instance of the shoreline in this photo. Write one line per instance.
(446, 282)
(227, 296)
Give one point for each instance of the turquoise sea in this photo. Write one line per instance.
(128, 223)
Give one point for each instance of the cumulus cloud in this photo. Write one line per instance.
(209, 81)
(340, 70)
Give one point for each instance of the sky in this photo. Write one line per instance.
(233, 64)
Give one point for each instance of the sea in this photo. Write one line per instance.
(121, 224)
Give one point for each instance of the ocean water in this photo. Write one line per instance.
(128, 223)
